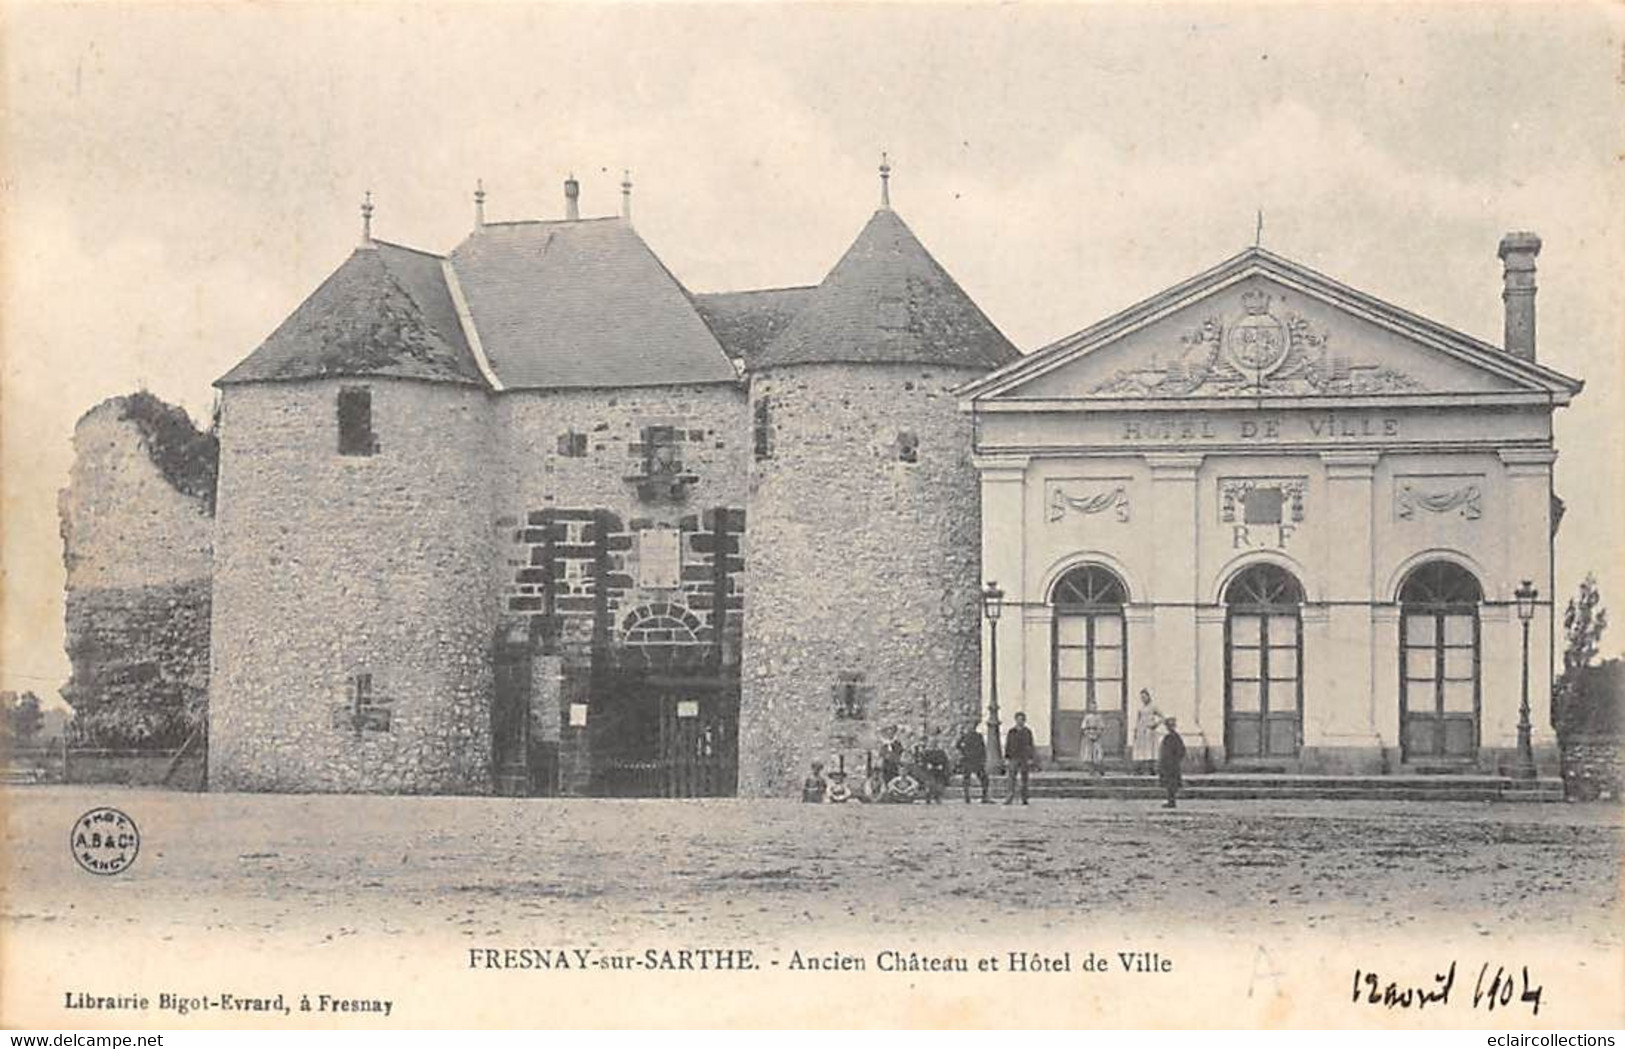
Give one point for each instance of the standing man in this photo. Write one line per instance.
(934, 760)
(972, 759)
(1170, 756)
(891, 753)
(1021, 755)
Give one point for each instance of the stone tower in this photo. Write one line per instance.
(863, 515)
(353, 609)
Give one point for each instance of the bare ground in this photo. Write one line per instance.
(322, 868)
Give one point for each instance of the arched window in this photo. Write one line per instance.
(1263, 664)
(661, 624)
(1264, 586)
(1439, 663)
(1088, 660)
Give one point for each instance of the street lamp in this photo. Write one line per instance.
(1525, 596)
(992, 605)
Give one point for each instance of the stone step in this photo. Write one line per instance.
(1280, 779)
(1340, 788)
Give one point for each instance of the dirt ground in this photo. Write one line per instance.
(324, 867)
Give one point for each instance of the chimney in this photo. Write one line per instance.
(572, 198)
(1518, 251)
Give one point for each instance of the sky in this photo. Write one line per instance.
(177, 179)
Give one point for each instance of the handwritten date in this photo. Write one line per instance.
(1490, 992)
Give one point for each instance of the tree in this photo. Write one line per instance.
(23, 716)
(1583, 625)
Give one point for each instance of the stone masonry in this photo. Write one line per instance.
(353, 581)
(585, 524)
(867, 613)
(137, 549)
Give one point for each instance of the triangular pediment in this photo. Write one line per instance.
(1259, 326)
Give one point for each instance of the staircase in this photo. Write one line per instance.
(1259, 785)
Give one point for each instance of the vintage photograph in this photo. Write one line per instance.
(826, 515)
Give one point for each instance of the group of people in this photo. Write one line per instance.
(925, 772)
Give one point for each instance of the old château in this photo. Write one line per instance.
(530, 517)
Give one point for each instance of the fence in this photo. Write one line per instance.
(184, 768)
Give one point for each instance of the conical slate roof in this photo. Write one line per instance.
(385, 311)
(889, 302)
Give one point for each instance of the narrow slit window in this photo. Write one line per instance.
(355, 422)
(363, 709)
(764, 429)
(573, 445)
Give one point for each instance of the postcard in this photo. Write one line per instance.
(937, 516)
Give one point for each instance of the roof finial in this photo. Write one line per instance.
(1258, 234)
(366, 220)
(885, 181)
(572, 198)
(479, 203)
(626, 195)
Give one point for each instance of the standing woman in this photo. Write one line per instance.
(1146, 721)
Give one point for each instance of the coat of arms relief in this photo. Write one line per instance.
(1257, 352)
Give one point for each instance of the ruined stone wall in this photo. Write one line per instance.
(331, 567)
(607, 565)
(137, 550)
(864, 587)
(1593, 766)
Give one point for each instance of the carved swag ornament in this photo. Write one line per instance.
(1467, 499)
(1099, 502)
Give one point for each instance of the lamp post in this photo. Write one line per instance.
(1525, 596)
(992, 605)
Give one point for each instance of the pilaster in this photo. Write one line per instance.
(1529, 556)
(1172, 580)
(1003, 480)
(1340, 671)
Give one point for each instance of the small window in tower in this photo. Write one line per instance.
(1262, 506)
(908, 446)
(893, 314)
(852, 697)
(764, 429)
(572, 445)
(355, 422)
(363, 709)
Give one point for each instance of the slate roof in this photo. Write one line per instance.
(385, 311)
(745, 322)
(888, 301)
(582, 304)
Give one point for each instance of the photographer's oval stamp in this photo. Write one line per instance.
(105, 841)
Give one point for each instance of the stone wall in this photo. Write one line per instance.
(137, 532)
(865, 607)
(607, 566)
(354, 610)
(1593, 767)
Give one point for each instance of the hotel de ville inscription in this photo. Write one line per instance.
(1320, 426)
